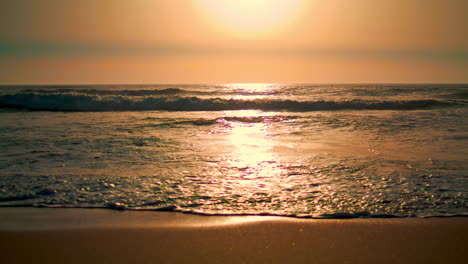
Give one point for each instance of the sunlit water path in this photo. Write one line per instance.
(299, 150)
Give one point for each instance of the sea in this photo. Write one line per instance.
(297, 150)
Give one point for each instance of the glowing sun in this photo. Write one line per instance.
(251, 17)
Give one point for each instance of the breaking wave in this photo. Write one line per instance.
(141, 92)
(95, 103)
(89, 91)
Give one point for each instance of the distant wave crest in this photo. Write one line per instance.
(140, 92)
(94, 103)
(89, 91)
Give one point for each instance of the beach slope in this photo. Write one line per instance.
(31, 235)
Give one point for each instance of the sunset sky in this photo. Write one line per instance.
(209, 41)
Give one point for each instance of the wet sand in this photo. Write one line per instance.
(39, 235)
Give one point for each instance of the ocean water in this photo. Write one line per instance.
(263, 149)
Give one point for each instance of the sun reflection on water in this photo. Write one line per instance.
(252, 145)
(251, 90)
(252, 148)
(252, 87)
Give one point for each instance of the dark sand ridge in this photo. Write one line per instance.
(38, 235)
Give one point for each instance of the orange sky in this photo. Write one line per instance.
(198, 41)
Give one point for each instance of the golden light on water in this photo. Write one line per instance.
(250, 91)
(252, 87)
(253, 165)
(252, 152)
(252, 144)
(250, 17)
(250, 137)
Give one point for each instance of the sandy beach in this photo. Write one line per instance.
(104, 236)
(233, 131)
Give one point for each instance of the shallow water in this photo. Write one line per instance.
(301, 150)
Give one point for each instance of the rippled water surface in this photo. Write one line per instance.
(335, 158)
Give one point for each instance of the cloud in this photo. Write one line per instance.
(28, 49)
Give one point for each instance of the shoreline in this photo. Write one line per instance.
(44, 235)
(41, 218)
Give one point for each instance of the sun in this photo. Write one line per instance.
(250, 17)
